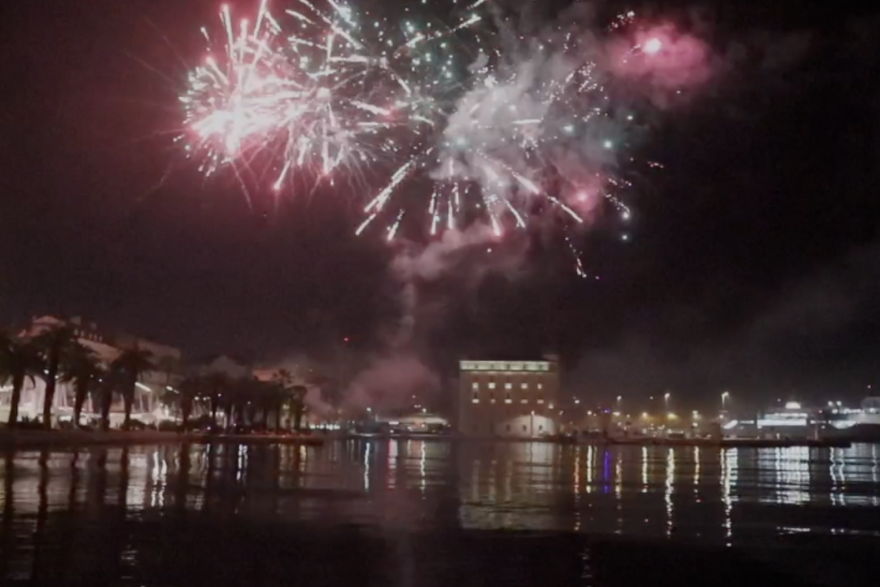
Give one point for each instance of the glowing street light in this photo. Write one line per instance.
(666, 397)
(724, 397)
(619, 401)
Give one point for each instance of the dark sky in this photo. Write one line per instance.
(754, 264)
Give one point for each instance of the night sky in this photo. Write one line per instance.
(754, 263)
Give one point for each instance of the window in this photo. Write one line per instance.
(508, 386)
(491, 385)
(525, 429)
(540, 386)
(475, 385)
(507, 396)
(524, 386)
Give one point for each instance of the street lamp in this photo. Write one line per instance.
(724, 397)
(666, 400)
(619, 400)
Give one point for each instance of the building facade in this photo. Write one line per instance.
(107, 347)
(508, 398)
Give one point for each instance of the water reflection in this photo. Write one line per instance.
(88, 496)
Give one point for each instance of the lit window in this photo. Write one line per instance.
(525, 401)
(541, 401)
(491, 385)
(508, 386)
(524, 386)
(540, 386)
(475, 385)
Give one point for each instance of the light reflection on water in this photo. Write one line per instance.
(726, 496)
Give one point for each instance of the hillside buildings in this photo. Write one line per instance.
(508, 398)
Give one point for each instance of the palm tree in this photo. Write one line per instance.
(184, 396)
(18, 362)
(281, 397)
(82, 370)
(239, 395)
(250, 397)
(131, 364)
(298, 398)
(54, 345)
(167, 366)
(108, 381)
(284, 393)
(217, 386)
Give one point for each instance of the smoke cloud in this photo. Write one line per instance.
(390, 382)
(668, 59)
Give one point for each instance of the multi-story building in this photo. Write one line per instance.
(508, 398)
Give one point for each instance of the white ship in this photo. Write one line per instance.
(859, 423)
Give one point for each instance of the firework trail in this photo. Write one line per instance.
(320, 94)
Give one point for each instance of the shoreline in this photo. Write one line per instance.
(26, 439)
(670, 442)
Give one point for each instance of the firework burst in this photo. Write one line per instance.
(321, 93)
(520, 130)
(535, 133)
